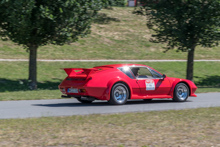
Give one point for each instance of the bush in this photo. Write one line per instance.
(120, 3)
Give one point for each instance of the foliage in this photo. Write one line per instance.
(34, 23)
(42, 22)
(183, 23)
(121, 3)
(115, 32)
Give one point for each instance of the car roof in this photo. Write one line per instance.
(120, 65)
(125, 64)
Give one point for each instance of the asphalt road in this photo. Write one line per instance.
(69, 107)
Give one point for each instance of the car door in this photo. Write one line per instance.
(150, 82)
(136, 91)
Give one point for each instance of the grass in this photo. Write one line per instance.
(116, 34)
(13, 77)
(193, 127)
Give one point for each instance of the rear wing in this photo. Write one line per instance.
(79, 72)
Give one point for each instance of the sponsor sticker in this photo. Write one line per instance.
(150, 85)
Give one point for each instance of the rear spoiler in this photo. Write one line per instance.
(79, 72)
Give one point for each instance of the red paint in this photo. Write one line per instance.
(98, 82)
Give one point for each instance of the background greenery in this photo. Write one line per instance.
(14, 84)
(116, 34)
(120, 3)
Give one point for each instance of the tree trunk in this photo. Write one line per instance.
(135, 3)
(33, 67)
(190, 62)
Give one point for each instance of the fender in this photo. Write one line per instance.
(175, 81)
(112, 82)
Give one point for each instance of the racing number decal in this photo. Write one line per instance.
(150, 85)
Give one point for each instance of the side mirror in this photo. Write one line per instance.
(164, 76)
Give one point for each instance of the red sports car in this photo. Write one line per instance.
(117, 83)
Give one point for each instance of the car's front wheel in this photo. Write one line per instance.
(119, 94)
(181, 92)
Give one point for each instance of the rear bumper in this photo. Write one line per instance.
(94, 92)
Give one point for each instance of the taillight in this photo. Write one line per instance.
(82, 90)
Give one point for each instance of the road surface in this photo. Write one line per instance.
(69, 107)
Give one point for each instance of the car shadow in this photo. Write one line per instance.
(105, 103)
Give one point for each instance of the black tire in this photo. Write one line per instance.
(181, 92)
(147, 100)
(84, 101)
(119, 94)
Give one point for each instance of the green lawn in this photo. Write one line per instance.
(13, 77)
(192, 128)
(116, 34)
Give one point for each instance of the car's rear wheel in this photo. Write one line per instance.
(119, 94)
(181, 92)
(84, 101)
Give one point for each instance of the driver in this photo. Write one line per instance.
(135, 71)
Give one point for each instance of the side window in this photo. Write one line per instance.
(141, 72)
(155, 74)
(126, 71)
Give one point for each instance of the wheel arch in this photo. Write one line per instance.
(129, 89)
(115, 81)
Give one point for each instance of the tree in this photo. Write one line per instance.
(184, 24)
(34, 23)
